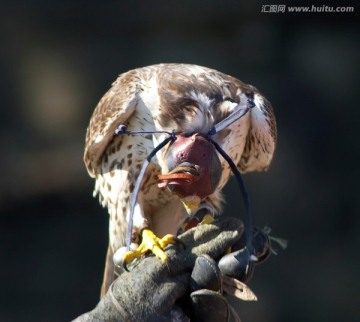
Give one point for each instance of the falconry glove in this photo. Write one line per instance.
(191, 284)
(150, 291)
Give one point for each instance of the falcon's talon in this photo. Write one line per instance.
(150, 242)
(166, 240)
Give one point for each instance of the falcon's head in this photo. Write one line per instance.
(194, 170)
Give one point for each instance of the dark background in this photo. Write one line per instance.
(57, 58)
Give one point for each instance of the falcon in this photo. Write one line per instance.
(188, 173)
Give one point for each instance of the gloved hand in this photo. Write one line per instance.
(210, 280)
(153, 291)
(207, 303)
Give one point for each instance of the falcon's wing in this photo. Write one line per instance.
(261, 140)
(114, 108)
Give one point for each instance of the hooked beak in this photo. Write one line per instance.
(184, 174)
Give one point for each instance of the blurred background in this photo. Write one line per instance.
(57, 58)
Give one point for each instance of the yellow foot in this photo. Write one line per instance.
(150, 243)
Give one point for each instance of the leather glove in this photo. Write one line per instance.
(210, 280)
(153, 291)
(206, 287)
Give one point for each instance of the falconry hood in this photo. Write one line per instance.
(195, 169)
